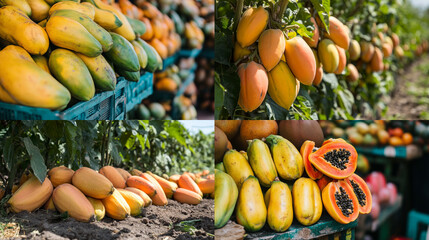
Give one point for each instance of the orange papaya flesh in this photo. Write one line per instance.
(362, 193)
(340, 202)
(307, 148)
(333, 140)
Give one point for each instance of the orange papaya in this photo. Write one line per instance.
(113, 175)
(322, 182)
(253, 85)
(31, 195)
(252, 23)
(314, 40)
(187, 196)
(142, 184)
(271, 46)
(300, 60)
(307, 148)
(92, 184)
(338, 33)
(67, 198)
(186, 182)
(159, 199)
(367, 51)
(377, 61)
(167, 186)
(60, 175)
(340, 202)
(342, 60)
(353, 74)
(124, 173)
(319, 70)
(387, 50)
(206, 186)
(362, 193)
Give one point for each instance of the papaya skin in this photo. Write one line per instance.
(283, 87)
(39, 10)
(307, 148)
(237, 167)
(343, 60)
(319, 70)
(101, 72)
(240, 52)
(252, 23)
(23, 5)
(367, 51)
(253, 85)
(271, 46)
(338, 33)
(67, 198)
(261, 161)
(314, 40)
(354, 50)
(99, 187)
(31, 195)
(87, 10)
(280, 210)
(377, 64)
(306, 201)
(226, 194)
(328, 55)
(300, 60)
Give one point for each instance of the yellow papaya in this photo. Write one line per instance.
(135, 202)
(338, 33)
(307, 201)
(67, 198)
(367, 51)
(106, 19)
(319, 70)
(328, 55)
(92, 184)
(251, 24)
(354, 50)
(42, 62)
(280, 209)
(116, 206)
(251, 211)
(19, 29)
(283, 87)
(240, 52)
(377, 60)
(141, 54)
(86, 9)
(147, 200)
(314, 40)
(23, 82)
(49, 205)
(399, 52)
(342, 60)
(72, 72)
(101, 72)
(22, 5)
(300, 60)
(262, 164)
(99, 210)
(237, 167)
(39, 10)
(226, 194)
(253, 85)
(271, 46)
(60, 175)
(31, 195)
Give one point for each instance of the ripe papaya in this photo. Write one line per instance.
(106, 19)
(279, 207)
(342, 60)
(253, 85)
(19, 29)
(336, 159)
(261, 162)
(67, 198)
(175, 178)
(52, 2)
(323, 182)
(287, 159)
(300, 59)
(271, 47)
(142, 184)
(225, 198)
(42, 62)
(113, 175)
(141, 54)
(39, 10)
(70, 34)
(283, 87)
(72, 72)
(124, 173)
(387, 50)
(60, 175)
(99, 210)
(307, 148)
(122, 54)
(148, 35)
(147, 200)
(101, 72)
(353, 74)
(31, 195)
(252, 23)
(237, 167)
(159, 199)
(186, 182)
(251, 210)
(130, 76)
(159, 47)
(24, 82)
(367, 51)
(206, 186)
(338, 33)
(340, 202)
(49, 205)
(306, 201)
(314, 40)
(187, 196)
(399, 52)
(154, 60)
(319, 70)
(354, 50)
(25, 176)
(87, 10)
(116, 206)
(395, 39)
(361, 192)
(328, 55)
(134, 201)
(240, 52)
(377, 61)
(168, 187)
(22, 5)
(92, 184)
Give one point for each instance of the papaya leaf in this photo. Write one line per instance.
(36, 160)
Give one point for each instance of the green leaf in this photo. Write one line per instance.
(36, 159)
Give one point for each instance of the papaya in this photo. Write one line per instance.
(39, 10)
(138, 26)
(307, 148)
(253, 85)
(187, 196)
(354, 50)
(225, 198)
(99, 210)
(19, 29)
(43, 23)
(101, 72)
(49, 205)
(67, 198)
(314, 40)
(72, 72)
(287, 159)
(328, 55)
(219, 166)
(300, 59)
(395, 39)
(342, 60)
(367, 51)
(159, 47)
(361, 192)
(22, 5)
(93, 28)
(130, 76)
(283, 87)
(353, 74)
(251, 211)
(178, 23)
(24, 82)
(168, 187)
(336, 159)
(25, 176)
(261, 162)
(70, 34)
(158, 26)
(387, 50)
(149, 10)
(206, 186)
(141, 54)
(186, 182)
(240, 52)
(306, 201)
(42, 62)
(122, 54)
(340, 202)
(175, 177)
(142, 184)
(116, 206)
(237, 167)
(159, 199)
(134, 201)
(60, 175)
(52, 2)
(252, 23)
(279, 207)
(323, 182)
(271, 46)
(147, 200)
(148, 35)
(399, 52)
(92, 184)
(157, 110)
(106, 19)
(87, 10)
(319, 70)
(377, 60)
(154, 60)
(31, 195)
(338, 33)
(113, 175)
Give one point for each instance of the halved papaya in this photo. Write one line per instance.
(333, 140)
(337, 159)
(362, 193)
(307, 148)
(340, 202)
(323, 182)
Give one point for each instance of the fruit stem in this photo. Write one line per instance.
(238, 11)
(280, 8)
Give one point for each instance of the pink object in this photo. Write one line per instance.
(393, 192)
(377, 182)
(375, 210)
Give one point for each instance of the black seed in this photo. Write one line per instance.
(361, 196)
(338, 158)
(344, 202)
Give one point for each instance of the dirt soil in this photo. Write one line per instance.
(174, 221)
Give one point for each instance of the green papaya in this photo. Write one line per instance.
(141, 54)
(122, 54)
(226, 194)
(154, 60)
(157, 110)
(143, 112)
(178, 23)
(138, 26)
(102, 73)
(128, 75)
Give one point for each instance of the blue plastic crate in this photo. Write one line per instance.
(169, 61)
(121, 99)
(189, 53)
(137, 91)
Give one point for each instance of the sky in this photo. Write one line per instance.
(420, 3)
(206, 126)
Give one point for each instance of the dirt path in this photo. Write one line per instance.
(410, 99)
(174, 221)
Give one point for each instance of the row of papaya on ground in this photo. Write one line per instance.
(88, 195)
(273, 182)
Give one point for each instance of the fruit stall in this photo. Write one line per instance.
(103, 59)
(320, 179)
(106, 180)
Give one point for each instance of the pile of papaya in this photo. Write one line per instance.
(87, 195)
(275, 181)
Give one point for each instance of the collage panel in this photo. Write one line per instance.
(308, 179)
(107, 179)
(286, 60)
